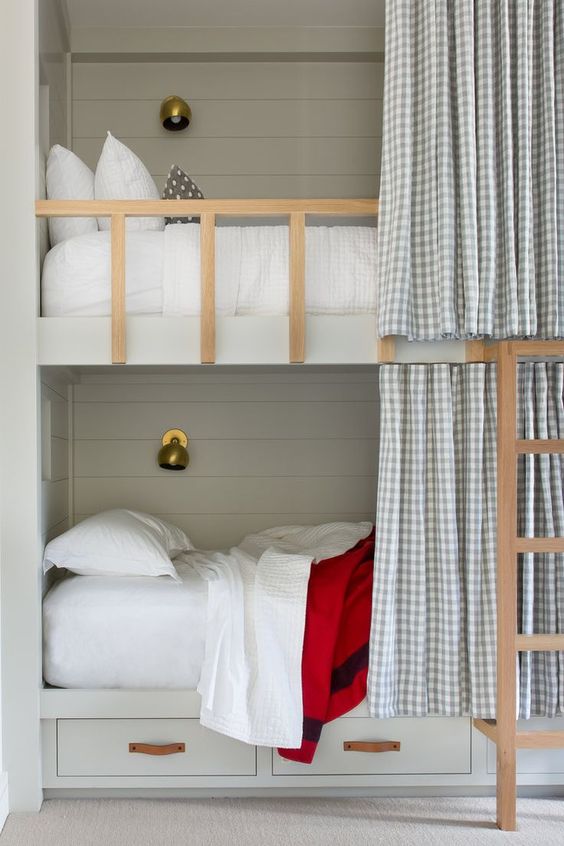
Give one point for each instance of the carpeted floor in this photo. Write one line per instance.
(284, 822)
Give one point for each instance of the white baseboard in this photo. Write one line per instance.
(4, 799)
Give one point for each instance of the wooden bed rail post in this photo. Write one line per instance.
(387, 349)
(297, 287)
(506, 586)
(207, 312)
(118, 287)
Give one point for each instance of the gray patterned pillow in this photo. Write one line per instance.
(179, 186)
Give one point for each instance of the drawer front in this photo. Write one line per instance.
(102, 748)
(431, 745)
(535, 761)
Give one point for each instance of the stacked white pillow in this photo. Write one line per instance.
(120, 175)
(68, 178)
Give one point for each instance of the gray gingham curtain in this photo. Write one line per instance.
(432, 645)
(541, 512)
(471, 228)
(432, 648)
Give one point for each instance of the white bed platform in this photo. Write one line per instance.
(72, 341)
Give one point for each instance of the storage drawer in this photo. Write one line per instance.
(428, 745)
(102, 748)
(535, 761)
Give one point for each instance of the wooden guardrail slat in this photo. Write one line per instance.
(118, 288)
(297, 287)
(207, 314)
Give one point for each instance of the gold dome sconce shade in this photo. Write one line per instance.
(173, 454)
(175, 114)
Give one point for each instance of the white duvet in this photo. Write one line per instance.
(163, 272)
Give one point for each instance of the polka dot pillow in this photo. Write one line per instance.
(179, 186)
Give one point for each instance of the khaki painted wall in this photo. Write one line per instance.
(260, 129)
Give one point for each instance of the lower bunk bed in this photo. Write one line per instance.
(443, 753)
(124, 656)
(167, 655)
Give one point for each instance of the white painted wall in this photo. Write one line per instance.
(19, 454)
(260, 129)
(266, 449)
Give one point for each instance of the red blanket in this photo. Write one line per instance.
(336, 642)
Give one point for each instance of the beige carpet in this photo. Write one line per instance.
(284, 822)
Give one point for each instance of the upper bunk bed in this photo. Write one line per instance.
(338, 328)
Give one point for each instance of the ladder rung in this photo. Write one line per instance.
(540, 740)
(538, 348)
(540, 447)
(539, 544)
(524, 739)
(540, 643)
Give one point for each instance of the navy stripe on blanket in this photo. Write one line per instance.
(312, 729)
(344, 675)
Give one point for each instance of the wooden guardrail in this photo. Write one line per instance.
(208, 210)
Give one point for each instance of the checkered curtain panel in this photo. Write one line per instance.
(471, 229)
(433, 625)
(541, 512)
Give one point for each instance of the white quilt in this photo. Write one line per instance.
(252, 270)
(163, 272)
(251, 684)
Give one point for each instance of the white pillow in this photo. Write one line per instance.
(121, 175)
(118, 543)
(68, 178)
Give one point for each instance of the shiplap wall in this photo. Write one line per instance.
(259, 129)
(54, 456)
(53, 47)
(265, 449)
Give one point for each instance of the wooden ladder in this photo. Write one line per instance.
(503, 731)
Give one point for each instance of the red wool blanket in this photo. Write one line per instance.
(336, 642)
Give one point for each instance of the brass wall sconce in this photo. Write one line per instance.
(173, 454)
(175, 113)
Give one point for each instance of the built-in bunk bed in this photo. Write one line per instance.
(120, 734)
(105, 739)
(120, 709)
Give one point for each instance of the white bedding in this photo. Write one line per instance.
(122, 632)
(232, 628)
(163, 272)
(251, 683)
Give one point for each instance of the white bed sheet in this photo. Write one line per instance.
(110, 632)
(163, 272)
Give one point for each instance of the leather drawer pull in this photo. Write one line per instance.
(156, 749)
(371, 746)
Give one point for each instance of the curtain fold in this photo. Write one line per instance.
(433, 620)
(471, 226)
(541, 513)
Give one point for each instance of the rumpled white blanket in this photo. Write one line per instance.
(252, 270)
(251, 684)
